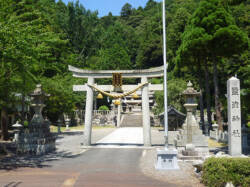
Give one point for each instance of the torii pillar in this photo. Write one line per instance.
(146, 114)
(88, 113)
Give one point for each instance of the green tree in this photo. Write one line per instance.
(191, 56)
(114, 53)
(126, 10)
(28, 49)
(225, 40)
(62, 98)
(175, 97)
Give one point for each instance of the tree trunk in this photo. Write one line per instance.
(201, 99)
(216, 94)
(208, 99)
(4, 124)
(22, 113)
(23, 101)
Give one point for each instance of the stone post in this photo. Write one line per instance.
(234, 117)
(146, 114)
(67, 122)
(59, 124)
(88, 113)
(17, 127)
(119, 114)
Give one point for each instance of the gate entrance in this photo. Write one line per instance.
(120, 91)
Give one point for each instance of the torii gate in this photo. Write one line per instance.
(145, 87)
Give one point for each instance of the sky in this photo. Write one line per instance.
(106, 6)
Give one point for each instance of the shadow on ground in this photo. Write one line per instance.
(11, 161)
(15, 161)
(219, 149)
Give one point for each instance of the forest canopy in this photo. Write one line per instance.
(40, 38)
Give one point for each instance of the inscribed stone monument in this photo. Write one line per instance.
(234, 117)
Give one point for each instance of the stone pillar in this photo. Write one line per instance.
(119, 114)
(234, 117)
(146, 114)
(88, 113)
(190, 123)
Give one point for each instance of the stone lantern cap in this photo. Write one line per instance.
(38, 91)
(190, 91)
(17, 125)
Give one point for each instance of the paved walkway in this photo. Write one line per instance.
(124, 136)
(93, 168)
(98, 167)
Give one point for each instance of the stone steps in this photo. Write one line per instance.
(132, 120)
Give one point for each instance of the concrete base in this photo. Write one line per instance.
(167, 159)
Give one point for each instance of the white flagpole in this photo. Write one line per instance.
(165, 74)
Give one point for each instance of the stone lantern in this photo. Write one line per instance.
(38, 97)
(36, 139)
(190, 138)
(190, 95)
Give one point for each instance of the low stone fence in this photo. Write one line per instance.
(104, 117)
(246, 140)
(103, 112)
(219, 136)
(223, 137)
(100, 117)
(172, 135)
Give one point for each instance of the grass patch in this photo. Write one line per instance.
(213, 143)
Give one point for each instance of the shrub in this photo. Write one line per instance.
(103, 107)
(25, 123)
(248, 124)
(218, 171)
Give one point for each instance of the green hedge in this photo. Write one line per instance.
(103, 107)
(218, 171)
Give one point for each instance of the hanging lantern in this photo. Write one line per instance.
(117, 82)
(117, 102)
(99, 96)
(135, 96)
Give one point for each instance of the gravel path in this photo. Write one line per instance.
(185, 177)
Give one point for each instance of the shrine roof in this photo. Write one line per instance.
(173, 111)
